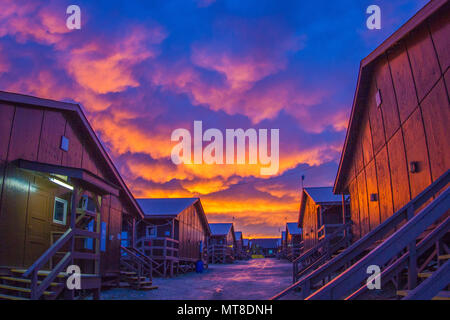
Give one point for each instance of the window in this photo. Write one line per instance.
(60, 211)
(151, 232)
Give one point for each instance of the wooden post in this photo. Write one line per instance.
(133, 232)
(412, 267)
(70, 294)
(343, 209)
(73, 216)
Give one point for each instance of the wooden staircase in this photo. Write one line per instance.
(325, 250)
(405, 246)
(46, 277)
(15, 287)
(136, 269)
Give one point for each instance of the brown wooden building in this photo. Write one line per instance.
(267, 247)
(174, 233)
(239, 252)
(395, 166)
(222, 243)
(321, 213)
(398, 141)
(294, 243)
(62, 200)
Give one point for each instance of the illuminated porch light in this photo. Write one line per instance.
(63, 184)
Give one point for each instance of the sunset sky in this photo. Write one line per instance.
(141, 69)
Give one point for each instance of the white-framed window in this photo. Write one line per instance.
(60, 211)
(151, 231)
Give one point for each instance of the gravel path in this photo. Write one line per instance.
(257, 279)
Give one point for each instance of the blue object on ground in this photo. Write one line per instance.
(199, 266)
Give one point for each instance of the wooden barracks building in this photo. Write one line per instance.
(222, 243)
(398, 140)
(174, 233)
(321, 213)
(62, 200)
(395, 167)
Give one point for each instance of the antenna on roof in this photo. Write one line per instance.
(303, 178)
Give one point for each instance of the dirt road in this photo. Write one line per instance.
(253, 279)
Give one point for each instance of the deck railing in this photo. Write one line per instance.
(361, 247)
(159, 247)
(329, 229)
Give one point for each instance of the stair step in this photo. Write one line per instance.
(148, 288)
(21, 289)
(8, 297)
(424, 274)
(443, 295)
(40, 273)
(444, 257)
(131, 273)
(124, 285)
(136, 278)
(53, 284)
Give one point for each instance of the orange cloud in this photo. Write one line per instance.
(108, 68)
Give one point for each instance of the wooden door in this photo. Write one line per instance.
(37, 238)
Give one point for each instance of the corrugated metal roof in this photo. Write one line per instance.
(270, 243)
(218, 229)
(323, 195)
(238, 235)
(293, 228)
(165, 206)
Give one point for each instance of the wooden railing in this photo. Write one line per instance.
(38, 290)
(321, 252)
(360, 247)
(294, 250)
(329, 229)
(220, 253)
(431, 287)
(137, 261)
(406, 236)
(161, 247)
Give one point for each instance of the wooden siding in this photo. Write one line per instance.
(310, 224)
(34, 133)
(191, 232)
(411, 125)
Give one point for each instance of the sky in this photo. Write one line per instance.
(142, 69)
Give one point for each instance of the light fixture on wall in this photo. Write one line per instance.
(61, 183)
(413, 167)
(373, 197)
(378, 98)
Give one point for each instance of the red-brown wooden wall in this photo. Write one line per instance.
(411, 125)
